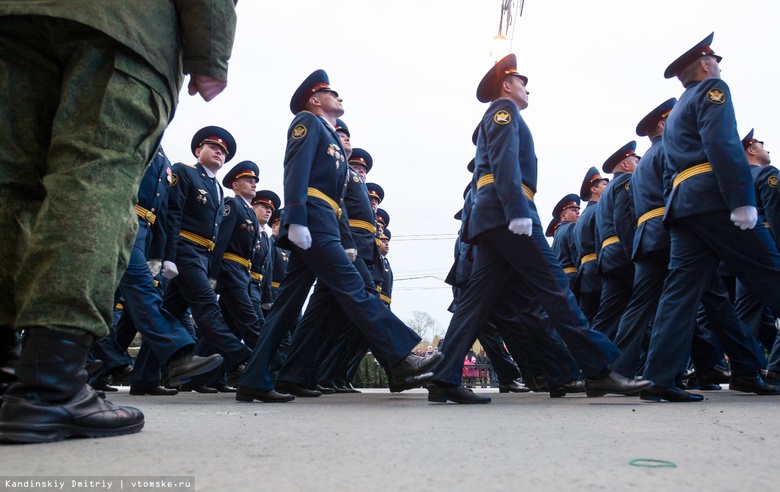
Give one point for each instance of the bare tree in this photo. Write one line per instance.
(424, 325)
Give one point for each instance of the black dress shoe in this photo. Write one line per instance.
(341, 389)
(412, 366)
(772, 377)
(156, 391)
(120, 376)
(513, 387)
(350, 388)
(676, 395)
(223, 388)
(234, 375)
(187, 365)
(250, 394)
(296, 390)
(575, 386)
(197, 388)
(102, 385)
(457, 394)
(615, 383)
(323, 390)
(410, 382)
(716, 375)
(753, 384)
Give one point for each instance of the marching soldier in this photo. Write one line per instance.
(588, 283)
(566, 213)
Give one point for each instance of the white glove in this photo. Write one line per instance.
(169, 270)
(521, 226)
(300, 236)
(213, 283)
(155, 265)
(744, 217)
(351, 254)
(266, 305)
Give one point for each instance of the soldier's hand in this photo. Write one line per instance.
(213, 283)
(745, 217)
(266, 305)
(351, 253)
(207, 87)
(155, 265)
(300, 236)
(521, 226)
(169, 270)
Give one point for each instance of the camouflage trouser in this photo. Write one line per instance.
(79, 121)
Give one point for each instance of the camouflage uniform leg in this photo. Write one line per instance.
(80, 129)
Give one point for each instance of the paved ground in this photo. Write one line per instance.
(383, 442)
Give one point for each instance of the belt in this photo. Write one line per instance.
(241, 261)
(256, 276)
(766, 224)
(569, 270)
(276, 285)
(588, 258)
(119, 306)
(145, 214)
(488, 178)
(691, 171)
(314, 192)
(610, 240)
(362, 224)
(656, 212)
(209, 245)
(385, 298)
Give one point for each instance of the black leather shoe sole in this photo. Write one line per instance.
(757, 388)
(457, 394)
(250, 395)
(658, 393)
(296, 390)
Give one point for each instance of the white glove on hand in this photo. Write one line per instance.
(155, 266)
(169, 270)
(351, 254)
(521, 226)
(266, 305)
(744, 217)
(213, 283)
(300, 236)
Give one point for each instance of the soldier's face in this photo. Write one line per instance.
(374, 204)
(263, 212)
(245, 187)
(345, 143)
(761, 153)
(571, 214)
(211, 156)
(330, 102)
(517, 91)
(361, 170)
(384, 247)
(713, 67)
(275, 227)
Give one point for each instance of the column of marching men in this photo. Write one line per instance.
(205, 274)
(636, 296)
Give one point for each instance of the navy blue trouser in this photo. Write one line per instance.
(327, 262)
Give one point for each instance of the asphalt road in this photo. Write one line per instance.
(376, 441)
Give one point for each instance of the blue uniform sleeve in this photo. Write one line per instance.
(769, 194)
(177, 199)
(504, 140)
(302, 142)
(722, 145)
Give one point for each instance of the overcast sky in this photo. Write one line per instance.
(408, 71)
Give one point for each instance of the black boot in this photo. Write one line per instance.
(51, 400)
(9, 355)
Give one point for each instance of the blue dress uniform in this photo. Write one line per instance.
(755, 315)
(588, 283)
(325, 337)
(235, 246)
(505, 183)
(707, 176)
(260, 286)
(195, 207)
(162, 333)
(614, 243)
(562, 232)
(315, 180)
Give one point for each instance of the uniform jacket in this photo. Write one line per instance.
(766, 183)
(153, 197)
(237, 236)
(194, 205)
(361, 217)
(263, 265)
(702, 128)
(647, 194)
(314, 160)
(614, 219)
(280, 258)
(564, 247)
(195, 36)
(505, 161)
(585, 239)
